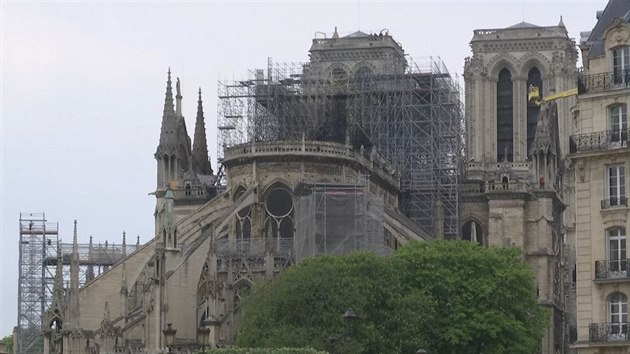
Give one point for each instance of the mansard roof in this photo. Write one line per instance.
(614, 9)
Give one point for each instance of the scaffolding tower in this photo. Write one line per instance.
(414, 120)
(38, 240)
(38, 258)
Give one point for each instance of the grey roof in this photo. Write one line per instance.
(357, 34)
(524, 25)
(614, 9)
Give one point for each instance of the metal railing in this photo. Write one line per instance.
(608, 332)
(612, 269)
(603, 81)
(604, 140)
(614, 202)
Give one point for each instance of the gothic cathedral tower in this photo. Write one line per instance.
(514, 190)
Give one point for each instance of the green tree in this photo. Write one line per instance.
(445, 297)
(8, 341)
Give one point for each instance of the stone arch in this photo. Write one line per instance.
(274, 181)
(237, 191)
(363, 66)
(334, 71)
(467, 232)
(500, 62)
(617, 35)
(534, 59)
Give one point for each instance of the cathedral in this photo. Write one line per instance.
(284, 200)
(361, 148)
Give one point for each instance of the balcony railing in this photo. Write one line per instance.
(614, 202)
(608, 332)
(612, 269)
(604, 140)
(603, 82)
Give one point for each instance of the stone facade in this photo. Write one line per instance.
(600, 156)
(515, 184)
(211, 243)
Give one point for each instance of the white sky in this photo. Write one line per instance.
(82, 90)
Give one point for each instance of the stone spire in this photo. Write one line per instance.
(168, 100)
(73, 291)
(124, 244)
(201, 162)
(89, 274)
(335, 35)
(173, 153)
(74, 263)
(58, 291)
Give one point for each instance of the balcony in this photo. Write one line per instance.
(604, 140)
(603, 82)
(612, 270)
(614, 202)
(608, 332)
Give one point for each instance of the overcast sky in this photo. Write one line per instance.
(82, 90)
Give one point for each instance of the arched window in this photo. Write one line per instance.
(533, 110)
(362, 77)
(618, 316)
(505, 120)
(363, 72)
(621, 65)
(471, 231)
(338, 75)
(244, 223)
(617, 257)
(279, 216)
(619, 123)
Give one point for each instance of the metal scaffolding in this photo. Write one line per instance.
(38, 240)
(414, 120)
(338, 219)
(38, 258)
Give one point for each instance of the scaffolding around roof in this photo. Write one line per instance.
(38, 258)
(414, 120)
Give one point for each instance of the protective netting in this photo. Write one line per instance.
(338, 219)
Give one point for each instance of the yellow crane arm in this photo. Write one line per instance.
(533, 95)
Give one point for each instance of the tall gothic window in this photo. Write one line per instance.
(279, 216)
(533, 110)
(243, 218)
(505, 121)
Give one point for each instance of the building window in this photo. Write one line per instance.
(279, 220)
(505, 122)
(617, 258)
(533, 109)
(619, 123)
(618, 315)
(617, 186)
(621, 65)
(243, 223)
(338, 76)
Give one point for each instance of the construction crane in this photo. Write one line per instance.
(533, 95)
